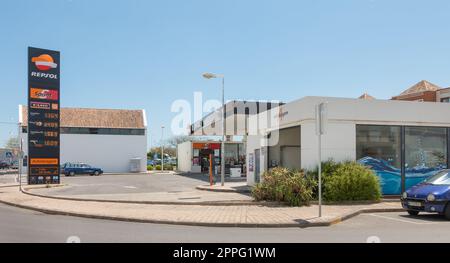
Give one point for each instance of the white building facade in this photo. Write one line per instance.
(404, 142)
(104, 138)
(197, 156)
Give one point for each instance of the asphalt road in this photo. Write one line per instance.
(18, 225)
(127, 183)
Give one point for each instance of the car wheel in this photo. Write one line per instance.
(447, 211)
(72, 173)
(96, 173)
(413, 213)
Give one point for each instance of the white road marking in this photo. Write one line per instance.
(130, 187)
(399, 220)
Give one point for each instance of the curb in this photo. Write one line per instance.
(9, 185)
(203, 203)
(206, 224)
(208, 188)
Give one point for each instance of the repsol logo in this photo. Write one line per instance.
(44, 75)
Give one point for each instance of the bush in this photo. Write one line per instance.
(328, 168)
(352, 181)
(149, 167)
(284, 185)
(158, 167)
(346, 181)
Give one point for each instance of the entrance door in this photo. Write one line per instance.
(257, 166)
(204, 159)
(290, 157)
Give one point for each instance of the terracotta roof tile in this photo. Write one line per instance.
(366, 96)
(422, 86)
(98, 118)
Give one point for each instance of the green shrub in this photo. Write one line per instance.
(284, 185)
(158, 167)
(328, 168)
(352, 181)
(149, 167)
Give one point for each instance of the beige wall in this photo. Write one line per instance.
(287, 137)
(445, 93)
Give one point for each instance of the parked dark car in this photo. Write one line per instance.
(72, 169)
(4, 165)
(432, 196)
(15, 165)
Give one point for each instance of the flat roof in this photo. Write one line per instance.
(389, 112)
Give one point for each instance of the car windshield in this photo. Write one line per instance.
(441, 178)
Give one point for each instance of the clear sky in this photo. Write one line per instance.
(146, 54)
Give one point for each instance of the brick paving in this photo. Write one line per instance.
(230, 215)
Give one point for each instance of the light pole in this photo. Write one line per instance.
(222, 162)
(162, 148)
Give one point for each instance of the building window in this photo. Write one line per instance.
(445, 100)
(379, 147)
(102, 131)
(425, 153)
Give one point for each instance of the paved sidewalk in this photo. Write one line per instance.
(183, 197)
(237, 216)
(232, 187)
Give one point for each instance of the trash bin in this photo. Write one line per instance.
(135, 165)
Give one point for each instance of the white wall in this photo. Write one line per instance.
(253, 143)
(184, 155)
(339, 143)
(286, 137)
(112, 153)
(343, 115)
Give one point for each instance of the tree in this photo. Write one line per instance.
(12, 142)
(175, 140)
(170, 146)
(171, 151)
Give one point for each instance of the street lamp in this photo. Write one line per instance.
(162, 148)
(222, 162)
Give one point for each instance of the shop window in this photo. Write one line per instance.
(379, 147)
(425, 153)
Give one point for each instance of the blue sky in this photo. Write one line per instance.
(146, 54)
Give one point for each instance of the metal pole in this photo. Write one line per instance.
(320, 175)
(222, 175)
(20, 157)
(162, 149)
(211, 156)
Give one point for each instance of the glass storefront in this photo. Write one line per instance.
(234, 156)
(380, 147)
(425, 153)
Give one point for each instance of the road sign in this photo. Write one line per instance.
(43, 116)
(321, 118)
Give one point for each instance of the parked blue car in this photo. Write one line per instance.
(71, 169)
(433, 196)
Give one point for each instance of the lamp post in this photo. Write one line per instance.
(162, 148)
(222, 162)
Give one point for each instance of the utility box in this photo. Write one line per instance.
(135, 165)
(235, 172)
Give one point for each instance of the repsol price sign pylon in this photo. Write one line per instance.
(43, 116)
